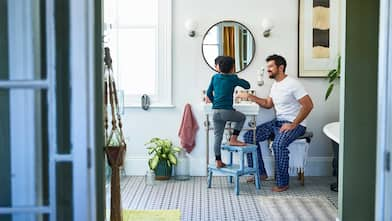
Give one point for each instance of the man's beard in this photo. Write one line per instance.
(272, 76)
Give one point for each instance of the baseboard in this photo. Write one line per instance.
(136, 165)
(316, 166)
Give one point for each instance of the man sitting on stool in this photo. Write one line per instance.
(292, 105)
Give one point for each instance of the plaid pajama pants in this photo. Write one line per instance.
(280, 143)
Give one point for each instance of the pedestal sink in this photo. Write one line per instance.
(250, 109)
(247, 108)
(332, 130)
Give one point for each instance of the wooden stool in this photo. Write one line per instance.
(236, 170)
(301, 149)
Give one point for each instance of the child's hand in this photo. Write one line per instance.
(243, 95)
(207, 100)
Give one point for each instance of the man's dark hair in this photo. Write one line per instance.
(226, 63)
(279, 60)
(217, 59)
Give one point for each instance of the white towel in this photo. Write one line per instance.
(298, 155)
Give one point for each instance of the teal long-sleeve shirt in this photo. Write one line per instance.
(221, 89)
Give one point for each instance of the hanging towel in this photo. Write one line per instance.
(188, 129)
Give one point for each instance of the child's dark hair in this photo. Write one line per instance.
(279, 60)
(226, 64)
(217, 59)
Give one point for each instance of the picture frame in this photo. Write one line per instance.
(318, 37)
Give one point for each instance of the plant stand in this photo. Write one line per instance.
(114, 142)
(115, 159)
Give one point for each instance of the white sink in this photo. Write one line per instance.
(247, 108)
(332, 130)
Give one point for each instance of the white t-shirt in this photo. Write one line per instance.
(285, 95)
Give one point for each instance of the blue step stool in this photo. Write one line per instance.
(236, 170)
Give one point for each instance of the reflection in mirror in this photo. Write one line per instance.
(229, 38)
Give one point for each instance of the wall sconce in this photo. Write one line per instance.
(260, 77)
(267, 26)
(191, 26)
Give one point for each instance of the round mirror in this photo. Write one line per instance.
(229, 38)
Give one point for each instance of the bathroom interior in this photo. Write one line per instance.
(265, 28)
(162, 59)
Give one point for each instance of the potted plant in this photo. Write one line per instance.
(332, 76)
(162, 152)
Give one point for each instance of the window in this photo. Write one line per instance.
(140, 41)
(212, 44)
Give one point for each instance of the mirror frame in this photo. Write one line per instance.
(253, 40)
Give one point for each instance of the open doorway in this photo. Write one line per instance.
(49, 120)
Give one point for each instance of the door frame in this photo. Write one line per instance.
(86, 154)
(383, 179)
(384, 121)
(85, 50)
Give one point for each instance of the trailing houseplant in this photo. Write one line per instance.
(332, 76)
(162, 152)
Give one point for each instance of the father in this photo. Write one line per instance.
(292, 105)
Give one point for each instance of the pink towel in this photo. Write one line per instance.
(188, 129)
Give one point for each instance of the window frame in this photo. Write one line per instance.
(163, 56)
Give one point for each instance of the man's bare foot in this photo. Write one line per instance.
(233, 142)
(220, 164)
(252, 178)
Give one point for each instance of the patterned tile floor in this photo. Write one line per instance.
(197, 202)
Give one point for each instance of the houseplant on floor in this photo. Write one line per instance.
(162, 152)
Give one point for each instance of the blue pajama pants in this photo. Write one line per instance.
(279, 145)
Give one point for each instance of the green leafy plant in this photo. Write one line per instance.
(332, 76)
(161, 150)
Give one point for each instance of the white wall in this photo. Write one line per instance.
(191, 75)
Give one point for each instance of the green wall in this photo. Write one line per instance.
(360, 110)
(5, 154)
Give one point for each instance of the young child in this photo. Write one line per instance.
(217, 60)
(220, 93)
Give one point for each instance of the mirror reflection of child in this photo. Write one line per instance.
(220, 93)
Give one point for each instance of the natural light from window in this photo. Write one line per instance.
(211, 45)
(137, 41)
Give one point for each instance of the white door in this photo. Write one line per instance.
(34, 163)
(384, 141)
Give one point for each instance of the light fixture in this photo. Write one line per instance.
(191, 26)
(267, 26)
(260, 77)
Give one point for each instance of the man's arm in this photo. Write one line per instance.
(264, 102)
(307, 106)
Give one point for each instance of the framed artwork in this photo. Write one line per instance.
(318, 37)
